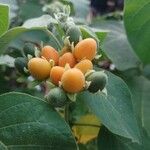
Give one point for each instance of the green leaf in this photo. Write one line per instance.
(13, 8)
(114, 110)
(116, 45)
(16, 38)
(82, 10)
(87, 32)
(2, 146)
(146, 106)
(146, 71)
(101, 35)
(110, 141)
(42, 21)
(4, 21)
(137, 23)
(136, 90)
(30, 9)
(140, 87)
(27, 122)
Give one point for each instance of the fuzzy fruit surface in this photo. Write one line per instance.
(49, 52)
(74, 34)
(20, 64)
(73, 80)
(56, 74)
(39, 68)
(84, 65)
(29, 49)
(67, 58)
(98, 81)
(85, 49)
(56, 97)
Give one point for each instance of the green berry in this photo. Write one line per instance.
(56, 97)
(98, 81)
(29, 49)
(20, 64)
(74, 34)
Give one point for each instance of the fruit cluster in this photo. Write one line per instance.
(70, 70)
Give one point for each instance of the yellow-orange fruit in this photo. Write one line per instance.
(50, 53)
(84, 65)
(67, 58)
(56, 74)
(73, 80)
(85, 49)
(39, 68)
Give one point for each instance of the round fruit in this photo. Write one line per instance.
(98, 81)
(20, 64)
(68, 24)
(85, 49)
(84, 65)
(50, 53)
(74, 34)
(67, 58)
(39, 68)
(56, 74)
(73, 80)
(56, 97)
(29, 49)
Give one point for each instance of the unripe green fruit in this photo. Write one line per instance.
(20, 64)
(56, 97)
(74, 34)
(29, 49)
(67, 25)
(98, 81)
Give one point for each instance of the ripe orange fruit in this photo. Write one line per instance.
(50, 53)
(73, 80)
(85, 49)
(67, 58)
(84, 65)
(56, 74)
(39, 68)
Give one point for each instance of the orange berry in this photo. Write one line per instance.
(73, 80)
(50, 53)
(56, 74)
(39, 68)
(67, 58)
(84, 65)
(85, 49)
